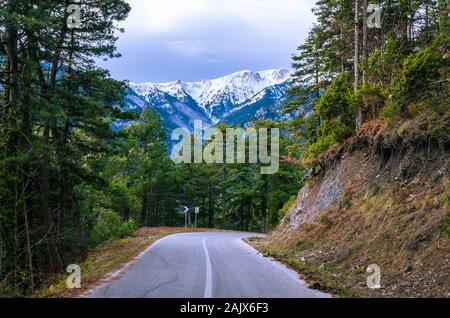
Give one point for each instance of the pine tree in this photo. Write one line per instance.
(53, 95)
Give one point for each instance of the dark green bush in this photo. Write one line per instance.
(109, 225)
(347, 200)
(445, 227)
(322, 144)
(334, 118)
(338, 101)
(420, 72)
(385, 63)
(286, 207)
(373, 190)
(326, 221)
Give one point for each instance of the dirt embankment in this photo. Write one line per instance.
(380, 198)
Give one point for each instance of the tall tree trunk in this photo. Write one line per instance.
(150, 207)
(264, 203)
(249, 215)
(444, 8)
(9, 202)
(144, 209)
(356, 57)
(359, 115)
(28, 237)
(241, 216)
(11, 50)
(79, 230)
(365, 53)
(157, 214)
(44, 181)
(341, 31)
(223, 190)
(203, 211)
(62, 153)
(62, 204)
(26, 176)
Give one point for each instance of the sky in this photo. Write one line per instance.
(191, 40)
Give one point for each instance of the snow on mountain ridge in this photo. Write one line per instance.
(233, 89)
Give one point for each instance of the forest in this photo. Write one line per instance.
(68, 181)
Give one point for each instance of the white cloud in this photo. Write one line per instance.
(165, 40)
(162, 16)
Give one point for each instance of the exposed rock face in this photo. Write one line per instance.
(379, 198)
(376, 158)
(317, 197)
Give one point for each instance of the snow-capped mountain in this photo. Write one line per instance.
(237, 99)
(267, 104)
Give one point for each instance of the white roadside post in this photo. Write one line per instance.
(197, 211)
(185, 211)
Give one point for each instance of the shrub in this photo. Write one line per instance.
(322, 144)
(338, 101)
(347, 200)
(385, 63)
(373, 99)
(420, 71)
(325, 220)
(287, 206)
(302, 246)
(334, 117)
(109, 225)
(373, 190)
(445, 227)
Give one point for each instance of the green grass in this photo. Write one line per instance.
(373, 190)
(326, 221)
(445, 227)
(347, 200)
(319, 276)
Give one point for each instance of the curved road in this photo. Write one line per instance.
(205, 265)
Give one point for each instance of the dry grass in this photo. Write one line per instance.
(106, 258)
(393, 212)
(399, 231)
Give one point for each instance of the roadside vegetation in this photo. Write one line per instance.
(402, 229)
(375, 134)
(104, 260)
(73, 189)
(69, 180)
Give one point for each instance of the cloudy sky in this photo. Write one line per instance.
(188, 40)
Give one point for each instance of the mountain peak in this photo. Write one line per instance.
(220, 95)
(235, 88)
(274, 75)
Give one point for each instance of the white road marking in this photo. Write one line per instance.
(127, 266)
(291, 273)
(208, 281)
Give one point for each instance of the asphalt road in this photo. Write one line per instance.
(205, 265)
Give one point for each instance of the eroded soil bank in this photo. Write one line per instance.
(380, 198)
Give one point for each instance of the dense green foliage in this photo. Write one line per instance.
(68, 181)
(419, 83)
(55, 118)
(404, 68)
